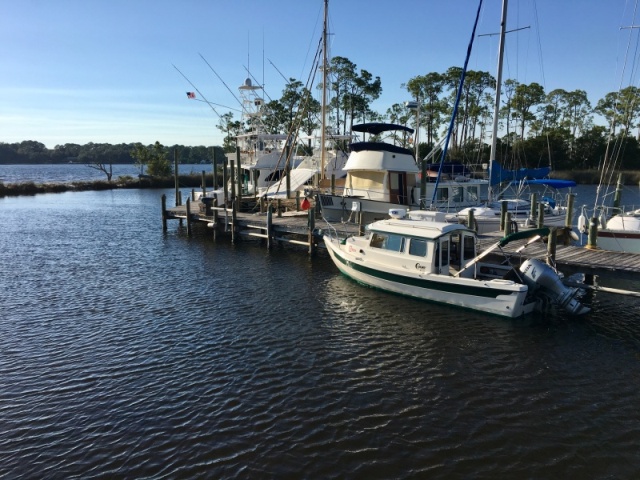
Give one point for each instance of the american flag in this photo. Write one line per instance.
(191, 95)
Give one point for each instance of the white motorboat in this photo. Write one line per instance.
(487, 217)
(620, 233)
(420, 255)
(382, 176)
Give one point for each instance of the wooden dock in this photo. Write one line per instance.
(287, 225)
(572, 259)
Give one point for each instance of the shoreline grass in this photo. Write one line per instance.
(32, 188)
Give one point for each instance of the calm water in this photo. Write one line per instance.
(130, 353)
(67, 173)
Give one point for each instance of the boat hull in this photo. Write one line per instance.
(497, 297)
(619, 240)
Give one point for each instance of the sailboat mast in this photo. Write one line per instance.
(325, 67)
(496, 107)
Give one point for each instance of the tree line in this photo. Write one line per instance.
(537, 128)
(33, 152)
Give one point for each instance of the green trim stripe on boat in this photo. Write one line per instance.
(426, 284)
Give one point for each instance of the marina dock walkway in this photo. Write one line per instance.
(304, 228)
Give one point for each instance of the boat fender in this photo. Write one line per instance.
(582, 223)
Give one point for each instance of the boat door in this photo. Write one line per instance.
(442, 256)
(398, 187)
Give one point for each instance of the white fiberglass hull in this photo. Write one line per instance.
(619, 240)
(499, 297)
(488, 220)
(622, 233)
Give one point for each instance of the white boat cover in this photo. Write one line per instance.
(298, 178)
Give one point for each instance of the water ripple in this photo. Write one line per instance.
(131, 353)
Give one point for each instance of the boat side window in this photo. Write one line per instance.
(444, 245)
(442, 194)
(458, 194)
(418, 247)
(469, 247)
(378, 240)
(388, 241)
(472, 194)
(395, 243)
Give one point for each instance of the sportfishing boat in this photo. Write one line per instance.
(420, 255)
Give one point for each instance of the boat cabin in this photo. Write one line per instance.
(419, 242)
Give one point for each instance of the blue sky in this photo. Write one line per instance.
(79, 71)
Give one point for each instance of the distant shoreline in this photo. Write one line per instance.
(32, 188)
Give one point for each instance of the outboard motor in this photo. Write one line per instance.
(540, 276)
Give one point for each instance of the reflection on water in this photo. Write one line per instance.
(131, 353)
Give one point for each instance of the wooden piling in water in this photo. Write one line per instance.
(312, 227)
(568, 221)
(592, 237)
(540, 222)
(188, 217)
(215, 218)
(164, 212)
(234, 218)
(269, 228)
(503, 215)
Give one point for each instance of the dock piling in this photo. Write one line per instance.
(188, 205)
(164, 212)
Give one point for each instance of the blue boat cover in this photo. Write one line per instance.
(498, 175)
